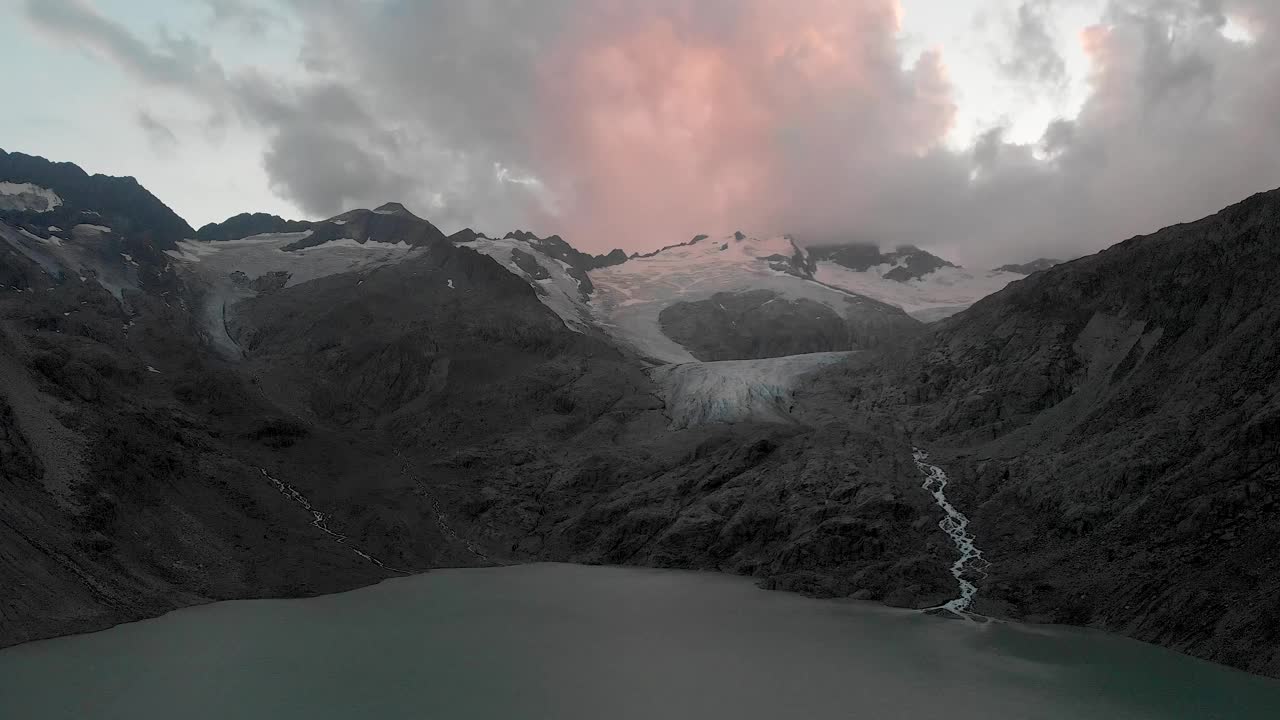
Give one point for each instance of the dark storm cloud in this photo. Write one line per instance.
(341, 173)
(639, 124)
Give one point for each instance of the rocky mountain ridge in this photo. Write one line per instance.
(116, 202)
(1027, 268)
(1110, 425)
(246, 225)
(907, 262)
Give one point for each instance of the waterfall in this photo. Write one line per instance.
(955, 525)
(321, 521)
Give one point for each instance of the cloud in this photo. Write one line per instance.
(1176, 127)
(773, 116)
(1035, 58)
(340, 172)
(178, 62)
(645, 122)
(251, 18)
(640, 124)
(163, 141)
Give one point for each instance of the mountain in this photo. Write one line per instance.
(390, 418)
(736, 297)
(248, 224)
(1112, 428)
(68, 197)
(389, 223)
(287, 416)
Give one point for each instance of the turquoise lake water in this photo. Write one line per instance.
(567, 641)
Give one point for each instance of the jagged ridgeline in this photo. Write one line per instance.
(271, 407)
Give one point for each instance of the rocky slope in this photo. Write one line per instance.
(1112, 428)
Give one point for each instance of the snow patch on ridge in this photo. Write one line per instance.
(561, 292)
(85, 228)
(941, 293)
(27, 196)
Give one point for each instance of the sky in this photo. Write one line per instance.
(988, 131)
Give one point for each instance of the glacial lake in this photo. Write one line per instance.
(566, 641)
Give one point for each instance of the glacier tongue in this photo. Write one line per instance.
(730, 391)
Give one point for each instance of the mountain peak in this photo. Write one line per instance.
(393, 208)
(389, 223)
(248, 224)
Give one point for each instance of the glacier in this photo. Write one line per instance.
(733, 391)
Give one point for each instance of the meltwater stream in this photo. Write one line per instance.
(956, 526)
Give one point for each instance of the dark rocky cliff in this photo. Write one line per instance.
(118, 202)
(1114, 427)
